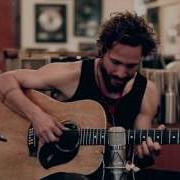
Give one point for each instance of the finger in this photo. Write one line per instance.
(161, 127)
(139, 151)
(41, 140)
(145, 148)
(150, 144)
(57, 131)
(157, 146)
(61, 126)
(44, 137)
(52, 137)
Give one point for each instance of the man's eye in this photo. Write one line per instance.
(115, 62)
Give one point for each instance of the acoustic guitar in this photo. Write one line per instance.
(80, 149)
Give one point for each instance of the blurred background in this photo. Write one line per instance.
(36, 32)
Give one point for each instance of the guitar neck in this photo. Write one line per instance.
(101, 136)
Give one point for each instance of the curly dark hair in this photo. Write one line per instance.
(129, 29)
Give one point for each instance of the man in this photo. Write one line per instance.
(129, 99)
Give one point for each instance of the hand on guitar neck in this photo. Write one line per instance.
(148, 147)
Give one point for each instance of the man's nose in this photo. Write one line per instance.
(121, 71)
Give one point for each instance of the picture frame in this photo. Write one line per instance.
(170, 30)
(50, 23)
(88, 16)
(153, 18)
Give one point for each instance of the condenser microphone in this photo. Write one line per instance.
(117, 153)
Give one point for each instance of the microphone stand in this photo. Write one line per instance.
(117, 152)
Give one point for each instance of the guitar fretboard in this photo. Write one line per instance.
(101, 136)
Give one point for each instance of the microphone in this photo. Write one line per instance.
(117, 153)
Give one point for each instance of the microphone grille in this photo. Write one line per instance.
(117, 136)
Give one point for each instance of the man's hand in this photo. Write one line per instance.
(48, 129)
(148, 147)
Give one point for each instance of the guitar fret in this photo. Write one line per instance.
(86, 136)
(100, 137)
(158, 136)
(143, 135)
(96, 137)
(131, 137)
(104, 137)
(178, 137)
(93, 136)
(154, 133)
(169, 136)
(151, 133)
(89, 136)
(98, 140)
(80, 141)
(161, 136)
(134, 140)
(174, 136)
(83, 137)
(140, 135)
(108, 140)
(128, 136)
(34, 138)
(165, 138)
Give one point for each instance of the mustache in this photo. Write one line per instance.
(125, 79)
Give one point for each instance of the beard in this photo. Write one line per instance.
(119, 83)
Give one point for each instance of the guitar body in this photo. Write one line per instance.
(15, 162)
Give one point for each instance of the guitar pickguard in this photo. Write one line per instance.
(65, 150)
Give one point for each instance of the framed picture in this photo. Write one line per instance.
(87, 17)
(170, 30)
(50, 23)
(153, 18)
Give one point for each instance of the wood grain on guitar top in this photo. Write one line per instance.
(15, 161)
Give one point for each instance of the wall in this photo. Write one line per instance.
(6, 25)
(6, 33)
(169, 16)
(27, 22)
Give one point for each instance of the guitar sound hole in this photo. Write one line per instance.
(69, 140)
(65, 150)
